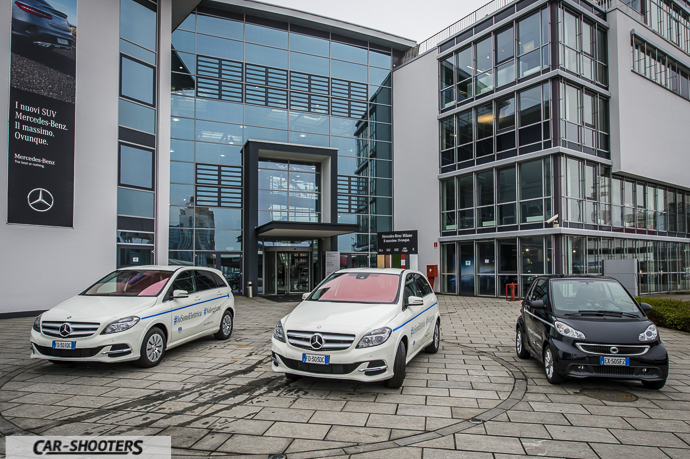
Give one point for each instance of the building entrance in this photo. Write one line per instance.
(287, 272)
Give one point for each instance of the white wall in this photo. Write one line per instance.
(416, 166)
(40, 266)
(649, 123)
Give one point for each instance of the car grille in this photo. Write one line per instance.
(86, 352)
(614, 371)
(79, 329)
(336, 369)
(605, 349)
(331, 341)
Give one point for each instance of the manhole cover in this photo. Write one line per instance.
(609, 395)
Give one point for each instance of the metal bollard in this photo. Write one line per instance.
(250, 293)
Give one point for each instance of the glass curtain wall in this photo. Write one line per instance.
(582, 46)
(516, 52)
(137, 141)
(584, 120)
(503, 128)
(239, 77)
(499, 262)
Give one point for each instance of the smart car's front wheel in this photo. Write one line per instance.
(152, 348)
(396, 381)
(552, 375)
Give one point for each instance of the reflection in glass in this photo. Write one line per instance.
(307, 44)
(135, 203)
(221, 27)
(265, 35)
(137, 81)
(135, 116)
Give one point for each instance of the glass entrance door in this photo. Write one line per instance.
(287, 272)
(467, 269)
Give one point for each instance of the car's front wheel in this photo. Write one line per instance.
(656, 385)
(225, 329)
(396, 381)
(435, 342)
(152, 348)
(552, 375)
(520, 344)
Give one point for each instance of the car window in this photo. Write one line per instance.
(591, 296)
(358, 287)
(220, 283)
(423, 287)
(540, 290)
(410, 287)
(130, 282)
(184, 281)
(204, 280)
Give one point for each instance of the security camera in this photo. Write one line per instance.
(552, 219)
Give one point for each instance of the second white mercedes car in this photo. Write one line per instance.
(136, 314)
(359, 324)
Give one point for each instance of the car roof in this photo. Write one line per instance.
(163, 268)
(396, 271)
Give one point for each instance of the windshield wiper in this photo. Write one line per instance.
(596, 312)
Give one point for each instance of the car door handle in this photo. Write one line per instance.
(219, 293)
(197, 298)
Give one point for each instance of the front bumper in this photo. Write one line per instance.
(116, 347)
(573, 363)
(366, 365)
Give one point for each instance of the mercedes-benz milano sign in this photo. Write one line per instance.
(40, 182)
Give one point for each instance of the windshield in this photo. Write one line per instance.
(358, 287)
(130, 283)
(592, 297)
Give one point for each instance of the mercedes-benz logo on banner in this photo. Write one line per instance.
(316, 341)
(40, 199)
(65, 330)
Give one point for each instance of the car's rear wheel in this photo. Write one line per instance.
(152, 348)
(656, 385)
(396, 381)
(436, 340)
(552, 375)
(520, 345)
(226, 324)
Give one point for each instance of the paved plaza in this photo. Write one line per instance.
(474, 399)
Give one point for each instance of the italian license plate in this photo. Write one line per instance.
(616, 361)
(62, 42)
(64, 344)
(317, 359)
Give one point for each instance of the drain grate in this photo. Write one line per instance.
(609, 395)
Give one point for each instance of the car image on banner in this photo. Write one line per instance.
(136, 314)
(361, 324)
(40, 23)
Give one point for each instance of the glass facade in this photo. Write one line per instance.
(137, 120)
(236, 78)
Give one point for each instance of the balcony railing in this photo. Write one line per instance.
(464, 23)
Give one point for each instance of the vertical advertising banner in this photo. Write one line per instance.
(40, 175)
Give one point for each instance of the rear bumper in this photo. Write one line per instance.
(573, 363)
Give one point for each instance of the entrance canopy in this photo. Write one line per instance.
(304, 230)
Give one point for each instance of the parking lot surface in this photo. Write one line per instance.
(474, 399)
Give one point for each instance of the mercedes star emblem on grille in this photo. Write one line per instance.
(65, 330)
(614, 350)
(316, 341)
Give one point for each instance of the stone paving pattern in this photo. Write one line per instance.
(474, 399)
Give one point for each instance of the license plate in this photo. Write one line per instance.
(617, 361)
(62, 42)
(64, 344)
(317, 359)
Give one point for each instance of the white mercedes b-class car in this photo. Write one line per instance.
(135, 314)
(361, 324)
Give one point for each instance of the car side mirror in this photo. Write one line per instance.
(536, 304)
(414, 301)
(305, 296)
(180, 294)
(646, 307)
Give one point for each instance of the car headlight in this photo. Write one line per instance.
(120, 325)
(37, 323)
(650, 334)
(567, 330)
(278, 332)
(374, 337)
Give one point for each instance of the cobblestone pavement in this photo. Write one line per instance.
(474, 399)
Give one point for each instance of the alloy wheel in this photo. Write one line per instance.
(154, 347)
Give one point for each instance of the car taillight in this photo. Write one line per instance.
(32, 10)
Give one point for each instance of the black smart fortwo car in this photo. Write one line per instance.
(582, 327)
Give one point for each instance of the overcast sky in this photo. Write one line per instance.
(416, 20)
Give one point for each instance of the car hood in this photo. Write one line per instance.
(83, 308)
(351, 318)
(610, 330)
